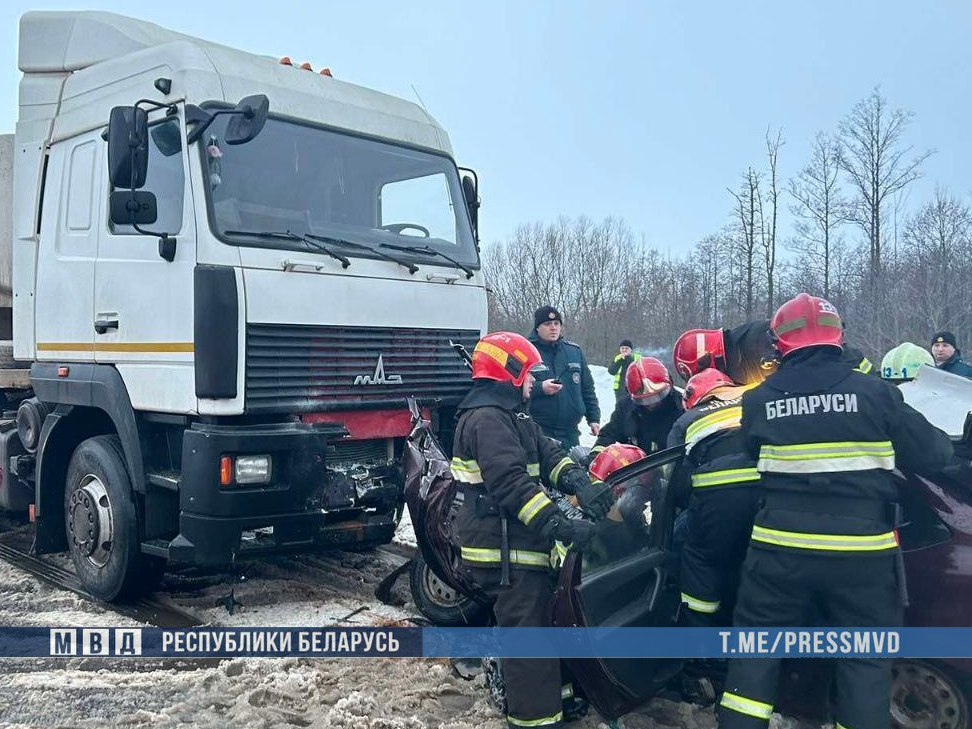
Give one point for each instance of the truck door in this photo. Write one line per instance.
(143, 304)
(68, 246)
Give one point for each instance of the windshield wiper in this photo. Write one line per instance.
(429, 251)
(308, 240)
(412, 268)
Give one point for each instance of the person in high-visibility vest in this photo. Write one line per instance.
(625, 357)
(824, 547)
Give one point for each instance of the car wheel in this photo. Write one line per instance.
(926, 696)
(101, 524)
(438, 601)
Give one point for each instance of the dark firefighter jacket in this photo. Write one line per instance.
(565, 361)
(827, 438)
(956, 365)
(637, 425)
(501, 459)
(716, 456)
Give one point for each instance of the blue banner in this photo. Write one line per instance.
(499, 642)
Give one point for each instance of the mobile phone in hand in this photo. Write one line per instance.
(557, 381)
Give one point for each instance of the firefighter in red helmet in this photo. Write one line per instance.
(824, 545)
(718, 479)
(646, 415)
(508, 523)
(745, 353)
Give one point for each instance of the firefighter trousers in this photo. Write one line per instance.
(792, 588)
(533, 685)
(720, 521)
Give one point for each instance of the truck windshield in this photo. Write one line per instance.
(311, 181)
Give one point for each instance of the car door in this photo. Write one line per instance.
(638, 589)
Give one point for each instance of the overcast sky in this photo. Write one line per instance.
(644, 110)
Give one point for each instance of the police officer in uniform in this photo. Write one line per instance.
(564, 390)
(508, 523)
(645, 417)
(721, 479)
(827, 439)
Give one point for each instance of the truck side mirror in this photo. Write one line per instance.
(248, 119)
(128, 147)
(470, 193)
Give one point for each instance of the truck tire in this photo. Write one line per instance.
(439, 602)
(101, 523)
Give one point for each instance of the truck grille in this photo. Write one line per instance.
(302, 369)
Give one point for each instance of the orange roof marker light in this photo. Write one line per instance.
(327, 72)
(285, 61)
(306, 66)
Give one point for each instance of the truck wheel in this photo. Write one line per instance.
(439, 602)
(99, 515)
(926, 696)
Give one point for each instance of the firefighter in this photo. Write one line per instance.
(721, 478)
(827, 439)
(646, 415)
(745, 353)
(508, 523)
(901, 364)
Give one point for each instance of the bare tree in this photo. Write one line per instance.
(768, 230)
(749, 212)
(819, 208)
(877, 164)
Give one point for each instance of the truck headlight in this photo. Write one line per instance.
(252, 469)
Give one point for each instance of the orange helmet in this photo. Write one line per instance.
(505, 357)
(699, 349)
(648, 381)
(806, 321)
(614, 457)
(702, 384)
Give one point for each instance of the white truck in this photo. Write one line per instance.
(218, 308)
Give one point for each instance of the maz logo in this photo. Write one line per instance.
(378, 377)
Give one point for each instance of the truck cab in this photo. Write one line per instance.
(228, 274)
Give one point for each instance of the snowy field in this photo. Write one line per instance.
(311, 590)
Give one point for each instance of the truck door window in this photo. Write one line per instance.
(165, 178)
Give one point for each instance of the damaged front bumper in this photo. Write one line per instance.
(307, 504)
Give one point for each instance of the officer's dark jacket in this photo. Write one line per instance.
(751, 357)
(500, 460)
(956, 365)
(826, 438)
(716, 456)
(565, 361)
(637, 425)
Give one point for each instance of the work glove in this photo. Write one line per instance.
(575, 532)
(595, 499)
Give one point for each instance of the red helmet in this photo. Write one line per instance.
(806, 321)
(504, 356)
(615, 456)
(702, 384)
(699, 349)
(648, 381)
